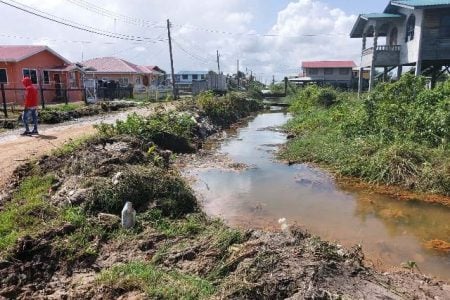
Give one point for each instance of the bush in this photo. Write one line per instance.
(397, 135)
(173, 130)
(223, 111)
(145, 187)
(156, 282)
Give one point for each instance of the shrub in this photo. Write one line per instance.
(145, 187)
(156, 282)
(399, 134)
(173, 130)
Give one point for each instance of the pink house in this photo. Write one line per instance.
(53, 75)
(338, 73)
(122, 71)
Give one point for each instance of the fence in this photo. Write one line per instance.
(114, 92)
(153, 94)
(13, 97)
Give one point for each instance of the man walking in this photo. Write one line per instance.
(31, 105)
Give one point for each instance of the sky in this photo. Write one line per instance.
(269, 37)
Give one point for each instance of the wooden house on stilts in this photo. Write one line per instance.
(417, 33)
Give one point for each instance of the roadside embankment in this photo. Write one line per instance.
(397, 135)
(60, 234)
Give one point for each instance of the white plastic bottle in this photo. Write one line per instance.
(128, 216)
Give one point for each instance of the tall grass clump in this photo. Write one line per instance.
(224, 111)
(398, 134)
(157, 283)
(27, 212)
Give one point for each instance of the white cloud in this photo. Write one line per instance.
(280, 54)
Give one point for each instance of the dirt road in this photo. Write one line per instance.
(16, 149)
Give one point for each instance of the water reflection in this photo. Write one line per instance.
(390, 230)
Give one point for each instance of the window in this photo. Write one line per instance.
(46, 77)
(123, 81)
(410, 27)
(313, 71)
(444, 30)
(202, 77)
(329, 71)
(3, 76)
(194, 77)
(344, 71)
(185, 77)
(73, 80)
(32, 73)
(138, 80)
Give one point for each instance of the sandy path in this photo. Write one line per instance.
(16, 149)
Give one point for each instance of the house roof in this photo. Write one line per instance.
(113, 65)
(420, 3)
(16, 53)
(361, 22)
(156, 69)
(328, 64)
(72, 67)
(389, 13)
(380, 16)
(192, 72)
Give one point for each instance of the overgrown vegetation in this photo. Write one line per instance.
(224, 111)
(27, 212)
(59, 113)
(156, 282)
(398, 134)
(146, 186)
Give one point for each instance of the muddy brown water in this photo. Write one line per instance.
(391, 231)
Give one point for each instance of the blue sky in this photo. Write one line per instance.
(269, 11)
(299, 30)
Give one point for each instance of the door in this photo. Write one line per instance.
(57, 80)
(393, 37)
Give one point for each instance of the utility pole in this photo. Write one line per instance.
(237, 75)
(174, 88)
(218, 61)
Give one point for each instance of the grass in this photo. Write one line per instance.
(397, 135)
(146, 186)
(190, 225)
(156, 282)
(65, 107)
(72, 145)
(27, 213)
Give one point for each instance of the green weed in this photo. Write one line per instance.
(72, 146)
(145, 187)
(27, 213)
(155, 282)
(397, 135)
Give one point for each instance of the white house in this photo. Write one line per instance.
(416, 32)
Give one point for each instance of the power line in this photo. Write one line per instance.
(111, 14)
(49, 17)
(256, 34)
(140, 22)
(15, 36)
(194, 56)
(193, 47)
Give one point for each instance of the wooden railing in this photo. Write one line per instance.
(387, 48)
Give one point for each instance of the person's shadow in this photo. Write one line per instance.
(46, 137)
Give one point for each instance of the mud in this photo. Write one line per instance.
(258, 265)
(265, 266)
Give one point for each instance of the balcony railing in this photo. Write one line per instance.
(384, 48)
